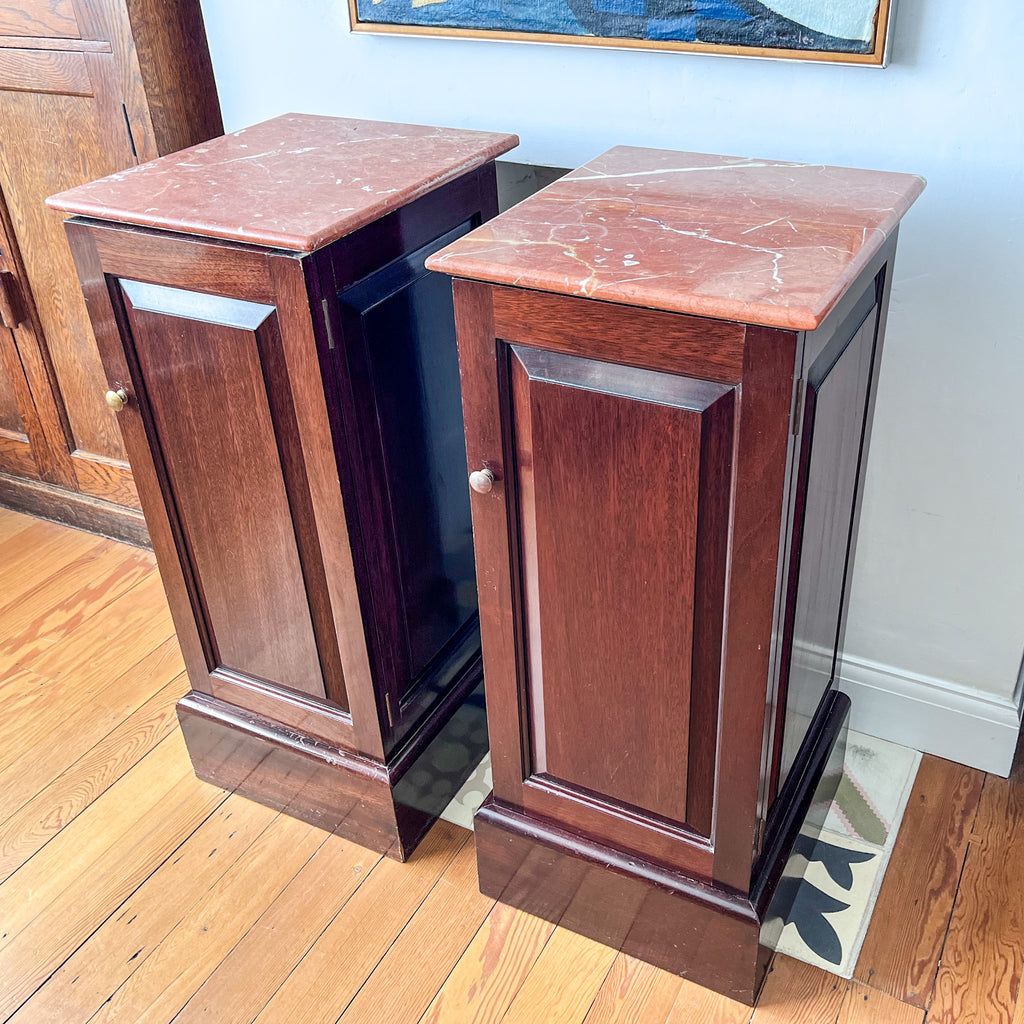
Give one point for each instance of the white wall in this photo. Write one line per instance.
(938, 596)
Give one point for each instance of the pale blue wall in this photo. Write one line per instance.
(939, 588)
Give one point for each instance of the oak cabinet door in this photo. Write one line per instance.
(620, 479)
(62, 109)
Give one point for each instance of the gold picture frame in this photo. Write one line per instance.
(432, 17)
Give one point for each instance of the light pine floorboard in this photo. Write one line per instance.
(132, 892)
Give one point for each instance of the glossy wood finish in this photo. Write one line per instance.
(622, 522)
(673, 514)
(153, 903)
(90, 88)
(200, 362)
(298, 450)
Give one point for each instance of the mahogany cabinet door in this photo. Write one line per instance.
(620, 481)
(208, 375)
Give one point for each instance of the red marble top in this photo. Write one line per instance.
(297, 181)
(760, 241)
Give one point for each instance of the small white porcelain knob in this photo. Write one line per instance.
(481, 480)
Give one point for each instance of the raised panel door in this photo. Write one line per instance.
(621, 480)
(62, 109)
(209, 375)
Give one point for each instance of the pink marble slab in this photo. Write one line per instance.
(297, 181)
(761, 241)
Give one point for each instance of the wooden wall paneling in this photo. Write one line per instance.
(62, 73)
(30, 372)
(87, 88)
(170, 47)
(28, 174)
(39, 18)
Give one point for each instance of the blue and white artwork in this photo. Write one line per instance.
(825, 26)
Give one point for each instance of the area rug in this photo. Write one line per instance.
(836, 872)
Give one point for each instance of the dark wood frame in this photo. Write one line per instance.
(701, 907)
(335, 753)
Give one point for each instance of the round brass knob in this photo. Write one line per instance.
(481, 480)
(117, 400)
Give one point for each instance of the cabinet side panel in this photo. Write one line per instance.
(609, 483)
(205, 387)
(833, 429)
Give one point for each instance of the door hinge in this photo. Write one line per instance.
(327, 324)
(798, 406)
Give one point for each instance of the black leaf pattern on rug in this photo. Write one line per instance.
(808, 906)
(836, 860)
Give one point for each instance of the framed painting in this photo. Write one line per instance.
(837, 31)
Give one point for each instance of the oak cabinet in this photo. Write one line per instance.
(287, 377)
(87, 88)
(668, 370)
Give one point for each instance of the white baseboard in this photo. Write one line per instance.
(933, 715)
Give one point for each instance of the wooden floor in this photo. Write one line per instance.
(130, 891)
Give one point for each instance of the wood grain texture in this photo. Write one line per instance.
(44, 71)
(28, 174)
(694, 1003)
(204, 384)
(795, 991)
(864, 1005)
(901, 951)
(634, 992)
(170, 84)
(29, 955)
(95, 86)
(68, 506)
(324, 983)
(42, 544)
(13, 523)
(552, 993)
(128, 870)
(983, 955)
(36, 822)
(58, 605)
(128, 937)
(621, 523)
(39, 18)
(175, 969)
(433, 940)
(260, 963)
(712, 349)
(492, 969)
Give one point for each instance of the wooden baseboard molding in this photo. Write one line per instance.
(48, 502)
(936, 716)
